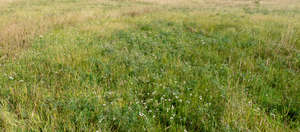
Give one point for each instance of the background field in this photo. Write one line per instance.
(150, 65)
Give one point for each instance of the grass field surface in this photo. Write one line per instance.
(150, 65)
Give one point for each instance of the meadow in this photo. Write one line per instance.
(150, 65)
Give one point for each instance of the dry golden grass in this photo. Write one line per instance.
(19, 29)
(283, 4)
(6, 1)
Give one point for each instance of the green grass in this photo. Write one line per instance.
(152, 68)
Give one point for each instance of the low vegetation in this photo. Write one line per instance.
(149, 65)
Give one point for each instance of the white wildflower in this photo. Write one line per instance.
(141, 114)
(11, 78)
